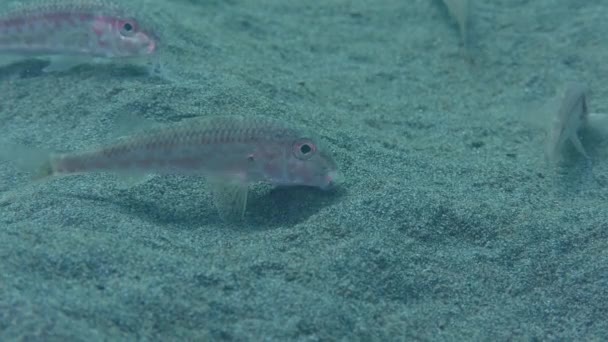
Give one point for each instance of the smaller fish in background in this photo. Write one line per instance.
(71, 32)
(460, 10)
(572, 115)
(232, 152)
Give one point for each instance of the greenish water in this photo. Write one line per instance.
(448, 223)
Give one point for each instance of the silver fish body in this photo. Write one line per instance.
(232, 151)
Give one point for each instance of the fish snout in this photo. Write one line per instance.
(332, 179)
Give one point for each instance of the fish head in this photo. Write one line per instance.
(126, 37)
(304, 163)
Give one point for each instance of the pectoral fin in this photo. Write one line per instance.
(230, 199)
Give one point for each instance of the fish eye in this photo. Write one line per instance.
(304, 149)
(127, 29)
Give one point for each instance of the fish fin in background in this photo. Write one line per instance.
(230, 199)
(460, 11)
(568, 119)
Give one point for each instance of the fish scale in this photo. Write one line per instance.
(194, 139)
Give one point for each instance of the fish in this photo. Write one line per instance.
(231, 151)
(71, 33)
(571, 116)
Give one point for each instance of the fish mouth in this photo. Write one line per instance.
(331, 180)
(151, 49)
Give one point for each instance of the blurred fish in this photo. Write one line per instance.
(75, 32)
(231, 151)
(571, 116)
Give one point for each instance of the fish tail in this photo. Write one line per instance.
(44, 169)
(38, 163)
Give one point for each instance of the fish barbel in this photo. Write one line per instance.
(231, 151)
(72, 32)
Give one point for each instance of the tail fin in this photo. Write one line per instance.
(28, 159)
(36, 162)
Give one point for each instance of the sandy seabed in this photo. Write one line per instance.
(447, 225)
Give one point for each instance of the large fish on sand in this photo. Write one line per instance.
(231, 151)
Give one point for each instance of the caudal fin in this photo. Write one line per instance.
(34, 161)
